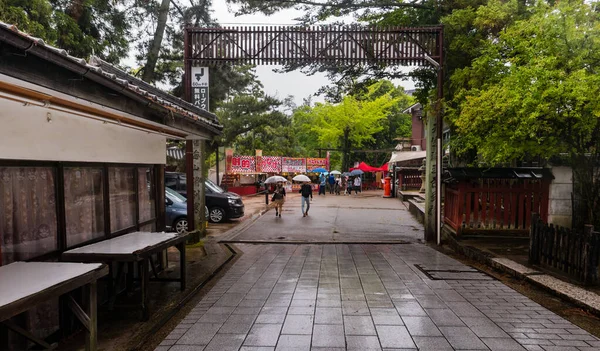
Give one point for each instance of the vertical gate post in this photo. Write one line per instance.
(199, 151)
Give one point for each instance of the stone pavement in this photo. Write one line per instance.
(332, 219)
(325, 286)
(366, 297)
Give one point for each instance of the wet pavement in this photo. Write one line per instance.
(336, 218)
(362, 296)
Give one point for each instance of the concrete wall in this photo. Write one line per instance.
(561, 188)
(38, 133)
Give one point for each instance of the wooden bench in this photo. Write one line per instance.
(137, 248)
(25, 284)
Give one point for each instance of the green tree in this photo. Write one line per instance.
(255, 121)
(81, 27)
(534, 92)
(351, 123)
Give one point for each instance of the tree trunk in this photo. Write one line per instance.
(163, 15)
(346, 149)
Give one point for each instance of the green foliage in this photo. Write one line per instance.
(352, 123)
(534, 92)
(255, 121)
(83, 27)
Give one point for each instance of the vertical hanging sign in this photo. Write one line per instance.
(200, 87)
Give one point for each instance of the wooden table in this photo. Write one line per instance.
(135, 247)
(25, 284)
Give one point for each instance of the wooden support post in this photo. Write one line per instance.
(145, 282)
(430, 217)
(182, 265)
(198, 164)
(91, 338)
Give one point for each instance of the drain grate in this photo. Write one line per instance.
(447, 273)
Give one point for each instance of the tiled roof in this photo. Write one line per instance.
(131, 83)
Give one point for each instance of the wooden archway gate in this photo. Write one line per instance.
(342, 45)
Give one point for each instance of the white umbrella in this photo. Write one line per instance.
(301, 178)
(336, 172)
(275, 179)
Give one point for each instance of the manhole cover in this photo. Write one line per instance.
(452, 273)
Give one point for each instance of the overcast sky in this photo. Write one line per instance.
(281, 84)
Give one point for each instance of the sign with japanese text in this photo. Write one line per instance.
(312, 163)
(293, 165)
(200, 87)
(243, 164)
(271, 164)
(258, 161)
(228, 160)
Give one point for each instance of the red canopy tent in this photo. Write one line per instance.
(366, 168)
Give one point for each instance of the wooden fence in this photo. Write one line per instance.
(571, 252)
(495, 204)
(409, 179)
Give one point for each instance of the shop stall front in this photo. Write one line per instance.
(82, 160)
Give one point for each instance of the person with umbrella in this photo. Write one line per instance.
(331, 181)
(305, 191)
(278, 199)
(357, 185)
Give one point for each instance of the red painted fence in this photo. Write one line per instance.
(495, 204)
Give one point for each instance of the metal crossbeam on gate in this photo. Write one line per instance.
(319, 44)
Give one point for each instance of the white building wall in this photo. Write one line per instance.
(38, 133)
(560, 205)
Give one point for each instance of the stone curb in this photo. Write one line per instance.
(580, 297)
(300, 242)
(233, 232)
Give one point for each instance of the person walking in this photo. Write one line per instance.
(278, 199)
(306, 191)
(331, 181)
(349, 187)
(322, 184)
(357, 185)
(337, 185)
(344, 184)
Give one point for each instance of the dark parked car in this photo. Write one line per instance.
(176, 211)
(221, 205)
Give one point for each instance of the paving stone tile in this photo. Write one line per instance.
(303, 303)
(325, 315)
(294, 343)
(263, 335)
(301, 310)
(298, 324)
(430, 301)
(444, 317)
(462, 338)
(502, 344)
(421, 326)
(409, 308)
(186, 348)
(254, 348)
(327, 335)
(247, 310)
(329, 302)
(226, 342)
(386, 316)
(199, 334)
(393, 336)
(356, 308)
(362, 342)
(265, 318)
(359, 325)
(432, 343)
